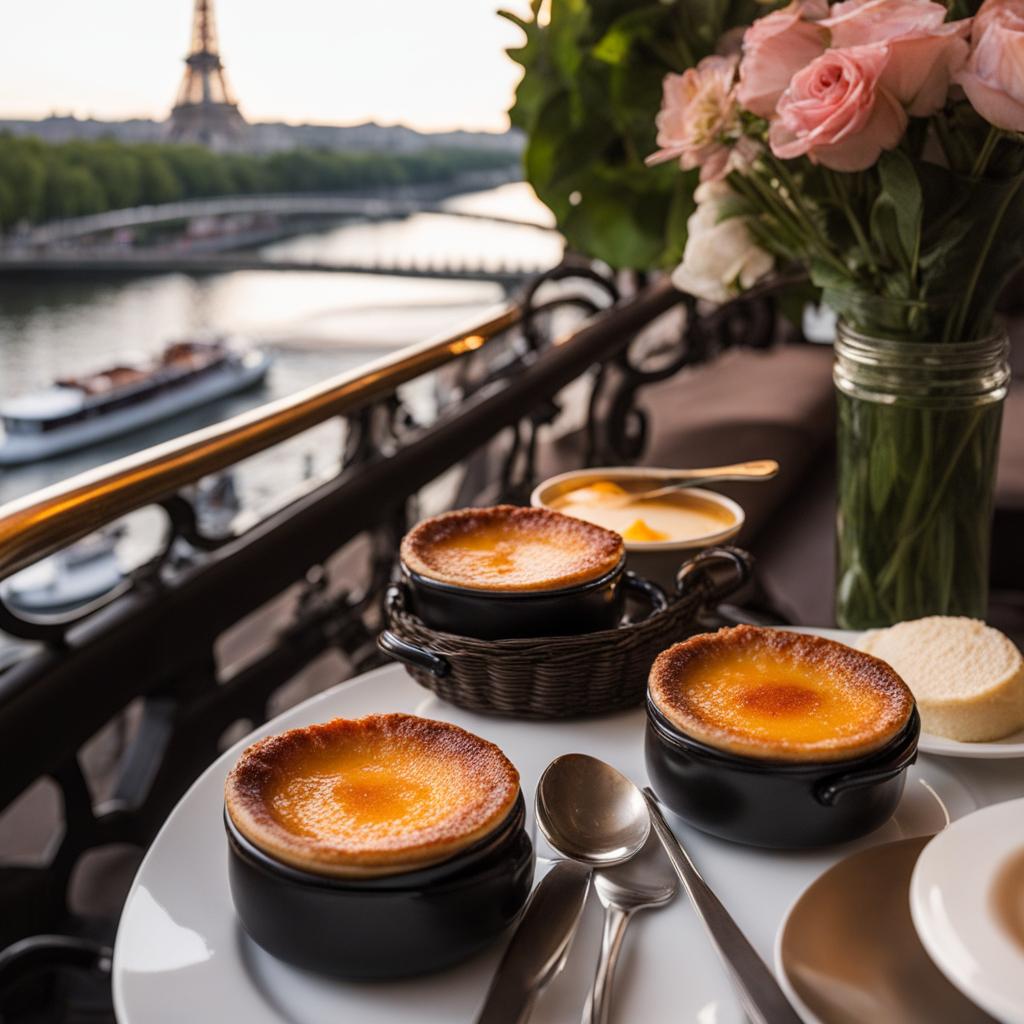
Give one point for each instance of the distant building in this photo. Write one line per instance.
(273, 137)
(205, 111)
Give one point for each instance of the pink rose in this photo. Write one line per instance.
(926, 51)
(837, 112)
(775, 47)
(994, 76)
(860, 22)
(995, 11)
(699, 120)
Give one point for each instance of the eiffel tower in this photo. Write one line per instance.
(205, 111)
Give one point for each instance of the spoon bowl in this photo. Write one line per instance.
(590, 812)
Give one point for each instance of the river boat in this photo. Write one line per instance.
(76, 412)
(73, 577)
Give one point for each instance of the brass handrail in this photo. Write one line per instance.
(47, 520)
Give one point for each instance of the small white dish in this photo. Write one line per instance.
(938, 746)
(656, 560)
(556, 486)
(964, 922)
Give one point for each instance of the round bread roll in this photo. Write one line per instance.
(967, 678)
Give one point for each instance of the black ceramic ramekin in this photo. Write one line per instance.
(780, 804)
(387, 927)
(505, 615)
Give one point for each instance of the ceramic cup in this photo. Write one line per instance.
(653, 560)
(386, 927)
(586, 607)
(781, 804)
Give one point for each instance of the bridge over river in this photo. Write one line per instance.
(56, 247)
(280, 205)
(122, 263)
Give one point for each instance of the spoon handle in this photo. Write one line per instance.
(685, 485)
(682, 479)
(539, 946)
(754, 469)
(598, 1006)
(762, 998)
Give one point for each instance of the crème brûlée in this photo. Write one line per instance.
(379, 795)
(510, 548)
(775, 695)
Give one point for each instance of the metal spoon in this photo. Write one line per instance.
(646, 880)
(594, 815)
(590, 812)
(761, 469)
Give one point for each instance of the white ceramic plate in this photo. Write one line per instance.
(541, 493)
(958, 916)
(939, 746)
(180, 954)
(1010, 746)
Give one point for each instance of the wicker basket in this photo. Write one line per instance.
(560, 676)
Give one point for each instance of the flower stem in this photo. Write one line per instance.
(945, 140)
(835, 186)
(985, 154)
(786, 224)
(794, 209)
(979, 263)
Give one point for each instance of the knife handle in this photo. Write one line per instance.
(539, 946)
(759, 992)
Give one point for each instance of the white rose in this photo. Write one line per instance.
(721, 258)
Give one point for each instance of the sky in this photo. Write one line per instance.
(434, 65)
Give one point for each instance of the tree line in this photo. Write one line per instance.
(42, 181)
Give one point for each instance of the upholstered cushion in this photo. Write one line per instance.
(747, 404)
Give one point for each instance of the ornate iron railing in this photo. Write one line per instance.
(323, 561)
(46, 521)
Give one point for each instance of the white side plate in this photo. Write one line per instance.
(953, 904)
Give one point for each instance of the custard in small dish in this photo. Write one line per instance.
(660, 532)
(509, 572)
(510, 548)
(778, 738)
(376, 847)
(775, 695)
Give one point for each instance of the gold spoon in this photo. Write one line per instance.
(680, 479)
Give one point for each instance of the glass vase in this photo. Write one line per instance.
(917, 439)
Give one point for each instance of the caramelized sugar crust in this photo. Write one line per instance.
(774, 695)
(370, 796)
(510, 548)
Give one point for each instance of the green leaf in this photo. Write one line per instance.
(627, 31)
(588, 102)
(897, 213)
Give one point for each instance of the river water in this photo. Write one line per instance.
(315, 324)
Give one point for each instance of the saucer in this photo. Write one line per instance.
(970, 926)
(1008, 746)
(847, 951)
